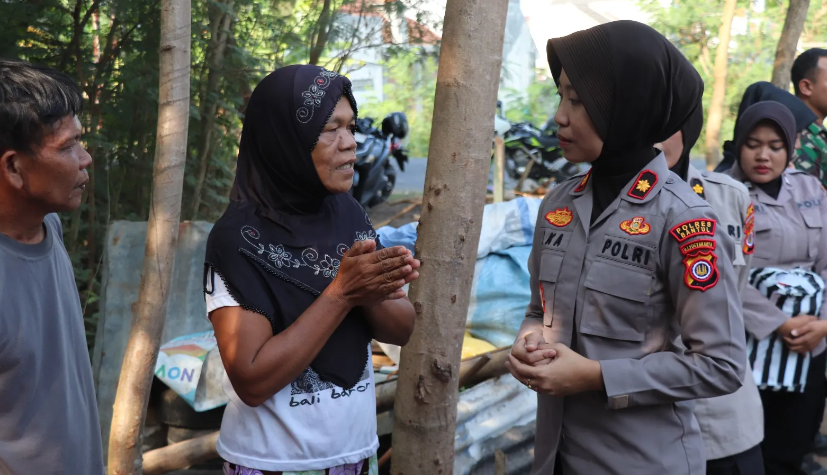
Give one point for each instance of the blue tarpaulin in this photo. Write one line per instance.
(500, 290)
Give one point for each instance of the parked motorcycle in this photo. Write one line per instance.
(374, 175)
(524, 142)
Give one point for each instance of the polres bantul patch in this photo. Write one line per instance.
(692, 228)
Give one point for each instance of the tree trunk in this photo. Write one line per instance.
(209, 104)
(716, 107)
(129, 410)
(785, 53)
(321, 38)
(449, 231)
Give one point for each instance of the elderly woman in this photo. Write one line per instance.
(297, 286)
(790, 212)
(631, 314)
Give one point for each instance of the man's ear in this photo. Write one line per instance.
(806, 87)
(10, 169)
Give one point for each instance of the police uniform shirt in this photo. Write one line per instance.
(788, 234)
(733, 423)
(646, 291)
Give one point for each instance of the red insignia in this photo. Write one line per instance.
(583, 182)
(636, 225)
(643, 185)
(693, 227)
(559, 217)
(543, 297)
(749, 231)
(699, 245)
(701, 271)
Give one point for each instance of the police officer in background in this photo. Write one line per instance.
(630, 317)
(732, 426)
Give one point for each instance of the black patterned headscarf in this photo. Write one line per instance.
(280, 241)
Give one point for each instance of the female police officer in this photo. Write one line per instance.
(630, 272)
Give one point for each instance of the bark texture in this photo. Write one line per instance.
(129, 411)
(449, 229)
(716, 107)
(787, 44)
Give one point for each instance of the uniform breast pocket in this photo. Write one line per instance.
(765, 245)
(812, 219)
(550, 265)
(615, 304)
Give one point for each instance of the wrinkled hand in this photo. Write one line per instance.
(368, 277)
(528, 349)
(568, 373)
(793, 323)
(806, 338)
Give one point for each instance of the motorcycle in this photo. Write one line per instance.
(374, 175)
(524, 143)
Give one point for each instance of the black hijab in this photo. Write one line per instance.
(638, 90)
(279, 243)
(690, 131)
(765, 91)
(779, 115)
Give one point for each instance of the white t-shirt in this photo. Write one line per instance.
(309, 425)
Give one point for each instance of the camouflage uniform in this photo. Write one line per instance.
(812, 156)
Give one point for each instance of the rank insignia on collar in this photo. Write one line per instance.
(635, 226)
(643, 185)
(701, 270)
(583, 182)
(698, 187)
(693, 227)
(749, 231)
(559, 217)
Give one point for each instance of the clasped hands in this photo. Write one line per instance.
(803, 333)
(552, 368)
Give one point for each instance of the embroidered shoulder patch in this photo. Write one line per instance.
(701, 270)
(559, 217)
(636, 225)
(699, 245)
(643, 185)
(749, 231)
(698, 187)
(583, 182)
(693, 227)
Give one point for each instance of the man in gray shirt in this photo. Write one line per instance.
(48, 416)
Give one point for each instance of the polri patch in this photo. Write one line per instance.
(583, 182)
(749, 231)
(643, 185)
(698, 187)
(559, 217)
(699, 245)
(701, 271)
(692, 228)
(635, 226)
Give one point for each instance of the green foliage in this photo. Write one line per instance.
(410, 85)
(111, 49)
(693, 27)
(537, 105)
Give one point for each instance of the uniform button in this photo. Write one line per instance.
(670, 180)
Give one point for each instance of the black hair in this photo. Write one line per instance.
(33, 98)
(805, 65)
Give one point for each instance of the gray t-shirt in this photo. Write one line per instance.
(48, 415)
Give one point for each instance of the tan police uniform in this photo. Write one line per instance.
(733, 423)
(644, 290)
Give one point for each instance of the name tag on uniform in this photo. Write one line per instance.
(555, 239)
